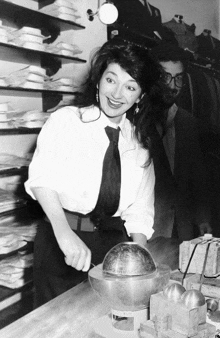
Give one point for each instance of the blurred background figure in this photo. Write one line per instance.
(181, 194)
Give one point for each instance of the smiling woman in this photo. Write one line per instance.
(118, 92)
(90, 208)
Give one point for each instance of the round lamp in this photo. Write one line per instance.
(108, 13)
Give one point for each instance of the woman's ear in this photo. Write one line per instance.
(140, 98)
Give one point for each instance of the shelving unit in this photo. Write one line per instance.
(20, 16)
(42, 54)
(23, 16)
(32, 90)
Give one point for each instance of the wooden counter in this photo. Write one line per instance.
(72, 314)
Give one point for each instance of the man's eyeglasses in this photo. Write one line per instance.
(167, 78)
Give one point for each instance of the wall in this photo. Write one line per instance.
(88, 39)
(203, 13)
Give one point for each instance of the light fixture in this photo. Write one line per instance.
(107, 13)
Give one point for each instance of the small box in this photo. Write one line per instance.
(197, 248)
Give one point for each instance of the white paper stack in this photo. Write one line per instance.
(28, 37)
(63, 48)
(63, 9)
(2, 81)
(9, 201)
(28, 77)
(25, 233)
(3, 33)
(61, 84)
(13, 270)
(11, 161)
(4, 120)
(31, 119)
(16, 270)
(9, 243)
(7, 114)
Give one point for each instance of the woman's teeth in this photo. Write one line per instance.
(114, 104)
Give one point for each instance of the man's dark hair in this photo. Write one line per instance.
(165, 52)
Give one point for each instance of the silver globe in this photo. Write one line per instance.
(128, 259)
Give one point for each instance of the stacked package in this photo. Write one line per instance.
(63, 48)
(16, 269)
(31, 119)
(11, 118)
(3, 38)
(9, 201)
(4, 118)
(15, 236)
(10, 161)
(63, 9)
(62, 84)
(28, 37)
(28, 77)
(3, 33)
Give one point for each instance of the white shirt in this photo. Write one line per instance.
(69, 157)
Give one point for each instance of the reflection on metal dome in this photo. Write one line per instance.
(128, 259)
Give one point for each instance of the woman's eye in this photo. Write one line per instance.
(131, 88)
(109, 80)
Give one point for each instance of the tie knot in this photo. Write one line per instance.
(112, 133)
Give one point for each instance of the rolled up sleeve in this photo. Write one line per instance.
(139, 216)
(46, 165)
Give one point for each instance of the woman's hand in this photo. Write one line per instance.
(77, 254)
(139, 238)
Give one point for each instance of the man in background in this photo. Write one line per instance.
(181, 196)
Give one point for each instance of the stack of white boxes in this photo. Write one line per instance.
(63, 9)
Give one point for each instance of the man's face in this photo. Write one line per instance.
(172, 81)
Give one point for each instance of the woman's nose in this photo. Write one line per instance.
(117, 92)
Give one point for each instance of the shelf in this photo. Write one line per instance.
(28, 247)
(35, 18)
(13, 171)
(43, 54)
(11, 296)
(24, 16)
(20, 130)
(31, 90)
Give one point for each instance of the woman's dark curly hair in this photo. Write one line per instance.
(135, 60)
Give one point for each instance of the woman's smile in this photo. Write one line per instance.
(114, 104)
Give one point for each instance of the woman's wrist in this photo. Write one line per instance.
(139, 238)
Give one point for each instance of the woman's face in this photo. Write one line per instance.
(118, 91)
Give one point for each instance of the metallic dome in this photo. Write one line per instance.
(128, 259)
(193, 299)
(128, 277)
(173, 292)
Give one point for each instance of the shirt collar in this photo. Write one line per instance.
(94, 114)
(124, 125)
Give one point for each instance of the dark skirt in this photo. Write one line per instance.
(52, 276)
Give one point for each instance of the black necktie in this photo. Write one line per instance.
(109, 194)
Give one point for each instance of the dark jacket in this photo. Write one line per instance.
(185, 191)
